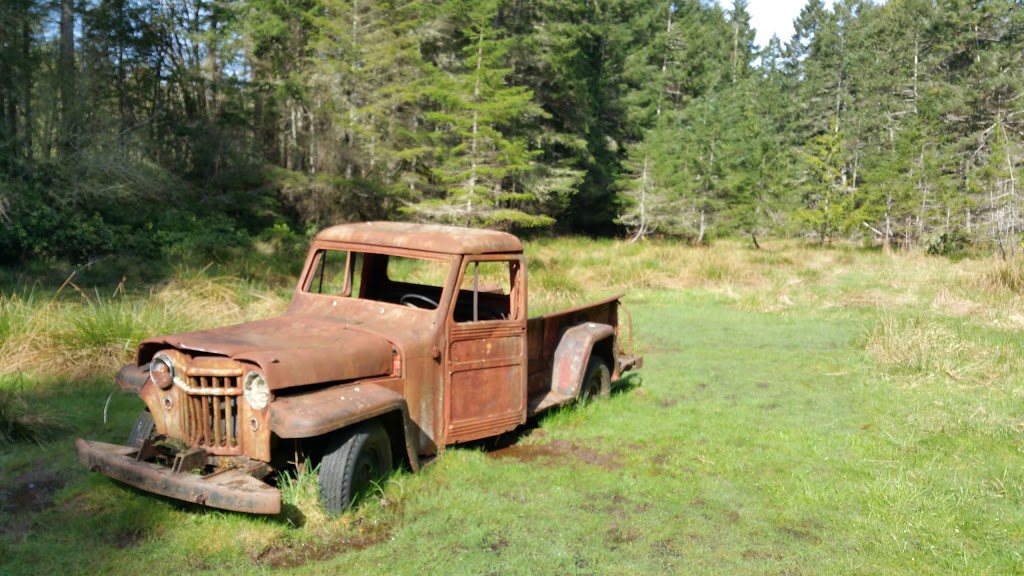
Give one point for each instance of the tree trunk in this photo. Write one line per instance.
(641, 230)
(66, 72)
(7, 86)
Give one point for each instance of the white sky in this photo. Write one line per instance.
(773, 17)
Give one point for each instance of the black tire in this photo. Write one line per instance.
(355, 458)
(597, 380)
(142, 429)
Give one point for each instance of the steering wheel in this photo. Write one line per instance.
(411, 298)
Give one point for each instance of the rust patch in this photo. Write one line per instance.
(560, 450)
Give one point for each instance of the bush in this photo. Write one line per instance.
(951, 243)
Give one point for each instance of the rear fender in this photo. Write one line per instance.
(324, 411)
(573, 353)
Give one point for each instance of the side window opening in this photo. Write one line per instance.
(485, 291)
(328, 275)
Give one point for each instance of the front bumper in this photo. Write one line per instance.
(233, 489)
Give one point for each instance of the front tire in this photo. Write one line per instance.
(596, 380)
(355, 458)
(141, 430)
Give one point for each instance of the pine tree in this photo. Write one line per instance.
(827, 194)
(482, 163)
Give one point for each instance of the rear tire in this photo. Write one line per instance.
(141, 430)
(355, 459)
(596, 380)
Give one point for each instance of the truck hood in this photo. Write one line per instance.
(291, 350)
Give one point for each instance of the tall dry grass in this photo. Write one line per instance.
(78, 333)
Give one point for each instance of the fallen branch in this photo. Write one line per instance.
(873, 229)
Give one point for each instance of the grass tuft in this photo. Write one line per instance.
(300, 496)
(1003, 277)
(916, 344)
(20, 422)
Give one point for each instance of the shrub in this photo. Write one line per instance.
(951, 243)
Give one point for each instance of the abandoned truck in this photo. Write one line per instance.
(400, 339)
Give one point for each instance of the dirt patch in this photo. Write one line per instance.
(25, 496)
(807, 531)
(760, 555)
(31, 492)
(498, 546)
(128, 538)
(559, 450)
(293, 555)
(798, 533)
(619, 536)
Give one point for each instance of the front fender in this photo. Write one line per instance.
(132, 378)
(324, 411)
(573, 353)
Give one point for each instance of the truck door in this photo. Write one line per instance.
(486, 358)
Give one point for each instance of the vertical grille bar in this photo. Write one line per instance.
(211, 419)
(229, 411)
(217, 420)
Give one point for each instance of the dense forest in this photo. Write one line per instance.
(174, 126)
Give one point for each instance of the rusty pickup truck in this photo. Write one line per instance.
(401, 339)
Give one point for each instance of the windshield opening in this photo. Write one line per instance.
(413, 282)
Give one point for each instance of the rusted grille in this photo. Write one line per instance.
(210, 414)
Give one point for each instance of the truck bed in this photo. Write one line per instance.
(543, 334)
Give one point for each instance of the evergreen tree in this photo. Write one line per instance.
(482, 163)
(826, 192)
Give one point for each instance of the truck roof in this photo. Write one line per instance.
(428, 237)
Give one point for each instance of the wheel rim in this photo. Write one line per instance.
(368, 469)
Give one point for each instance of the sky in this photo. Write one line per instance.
(773, 17)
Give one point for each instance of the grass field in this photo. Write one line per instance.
(800, 411)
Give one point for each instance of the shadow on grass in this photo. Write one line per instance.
(514, 437)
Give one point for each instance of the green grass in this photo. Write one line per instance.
(800, 411)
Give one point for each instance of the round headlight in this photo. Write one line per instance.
(161, 371)
(256, 390)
